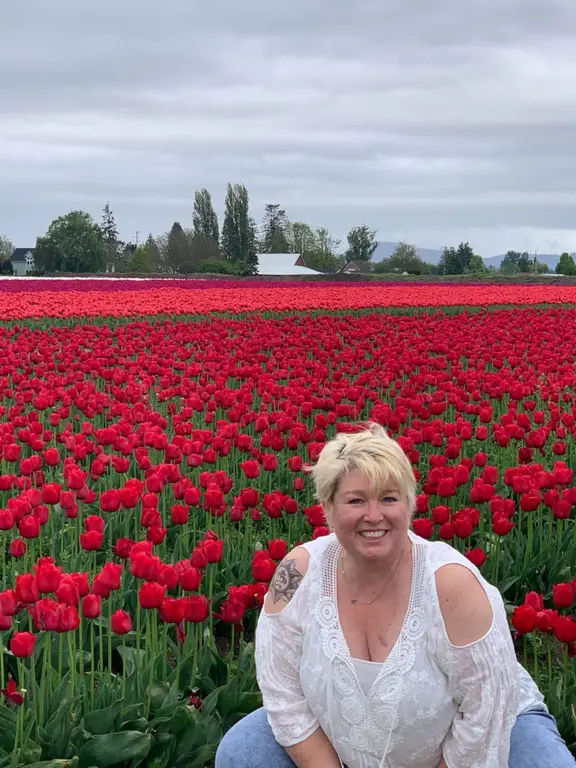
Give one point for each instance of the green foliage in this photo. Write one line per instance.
(522, 260)
(405, 258)
(110, 238)
(6, 249)
(361, 244)
(204, 218)
(456, 261)
(476, 265)
(140, 260)
(566, 265)
(179, 254)
(219, 267)
(239, 229)
(73, 243)
(275, 227)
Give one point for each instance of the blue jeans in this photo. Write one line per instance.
(535, 743)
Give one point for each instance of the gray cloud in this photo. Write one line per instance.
(432, 122)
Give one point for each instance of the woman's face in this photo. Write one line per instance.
(368, 526)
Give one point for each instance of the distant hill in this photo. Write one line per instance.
(432, 256)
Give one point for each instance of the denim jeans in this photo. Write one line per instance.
(535, 743)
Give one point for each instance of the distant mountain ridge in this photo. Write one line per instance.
(385, 249)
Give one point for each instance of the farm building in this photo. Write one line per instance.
(358, 268)
(283, 264)
(22, 260)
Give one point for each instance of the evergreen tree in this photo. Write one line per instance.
(179, 252)
(110, 237)
(239, 229)
(456, 261)
(275, 230)
(361, 244)
(204, 218)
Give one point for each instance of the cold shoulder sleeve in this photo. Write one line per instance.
(279, 642)
(484, 683)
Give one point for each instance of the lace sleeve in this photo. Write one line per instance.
(278, 654)
(483, 682)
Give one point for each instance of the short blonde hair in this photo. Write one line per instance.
(374, 453)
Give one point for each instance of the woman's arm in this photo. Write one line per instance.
(476, 652)
(278, 658)
(315, 752)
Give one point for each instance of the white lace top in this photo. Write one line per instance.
(428, 700)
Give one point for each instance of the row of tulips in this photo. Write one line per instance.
(153, 473)
(130, 298)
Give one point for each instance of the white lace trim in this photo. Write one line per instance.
(372, 717)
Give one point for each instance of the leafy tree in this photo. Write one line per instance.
(522, 260)
(361, 244)
(73, 243)
(179, 255)
(566, 265)
(110, 237)
(219, 267)
(316, 259)
(456, 261)
(204, 218)
(239, 229)
(404, 258)
(476, 265)
(301, 237)
(275, 229)
(509, 268)
(6, 249)
(140, 260)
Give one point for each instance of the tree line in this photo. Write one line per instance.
(76, 243)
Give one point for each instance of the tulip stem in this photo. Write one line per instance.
(92, 664)
(123, 667)
(72, 663)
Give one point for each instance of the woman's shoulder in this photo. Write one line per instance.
(437, 554)
(317, 547)
(294, 576)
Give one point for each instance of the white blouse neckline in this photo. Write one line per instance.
(415, 558)
(412, 626)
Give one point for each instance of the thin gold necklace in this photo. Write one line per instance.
(355, 600)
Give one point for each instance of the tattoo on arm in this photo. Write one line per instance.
(285, 582)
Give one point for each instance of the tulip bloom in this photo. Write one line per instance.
(22, 644)
(120, 622)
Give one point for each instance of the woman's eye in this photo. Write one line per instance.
(389, 499)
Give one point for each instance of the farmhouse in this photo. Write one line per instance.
(357, 268)
(283, 264)
(22, 260)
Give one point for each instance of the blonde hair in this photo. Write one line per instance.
(374, 453)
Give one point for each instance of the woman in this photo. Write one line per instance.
(378, 648)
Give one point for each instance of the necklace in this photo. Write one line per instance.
(354, 600)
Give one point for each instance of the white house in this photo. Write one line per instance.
(22, 260)
(283, 264)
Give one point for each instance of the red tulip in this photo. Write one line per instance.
(120, 622)
(92, 606)
(151, 595)
(91, 540)
(22, 644)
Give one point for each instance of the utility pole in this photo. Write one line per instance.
(137, 234)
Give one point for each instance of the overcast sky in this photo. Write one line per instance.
(431, 121)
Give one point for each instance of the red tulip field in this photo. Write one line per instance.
(154, 438)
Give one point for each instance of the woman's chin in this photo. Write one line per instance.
(372, 546)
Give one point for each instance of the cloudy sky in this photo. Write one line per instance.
(430, 121)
